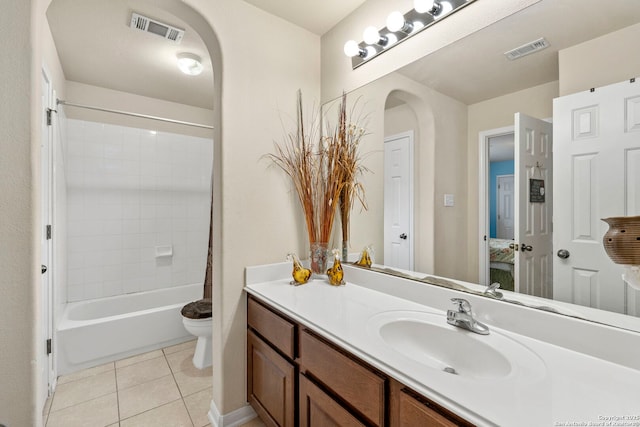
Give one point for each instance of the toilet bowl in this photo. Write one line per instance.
(197, 320)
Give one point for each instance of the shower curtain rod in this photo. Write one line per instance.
(127, 113)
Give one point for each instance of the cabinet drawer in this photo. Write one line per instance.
(275, 329)
(358, 386)
(271, 383)
(317, 409)
(408, 409)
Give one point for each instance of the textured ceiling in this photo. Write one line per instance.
(97, 47)
(316, 16)
(475, 68)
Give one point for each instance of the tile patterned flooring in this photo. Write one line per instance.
(159, 388)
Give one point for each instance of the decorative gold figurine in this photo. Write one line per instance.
(365, 257)
(335, 273)
(300, 274)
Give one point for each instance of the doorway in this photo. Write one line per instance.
(501, 206)
(521, 260)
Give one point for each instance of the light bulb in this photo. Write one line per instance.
(351, 48)
(442, 9)
(371, 35)
(395, 21)
(422, 6)
(391, 39)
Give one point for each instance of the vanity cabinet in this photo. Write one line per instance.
(296, 377)
(271, 372)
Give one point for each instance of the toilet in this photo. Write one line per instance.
(197, 320)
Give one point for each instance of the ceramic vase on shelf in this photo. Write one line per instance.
(622, 240)
(318, 257)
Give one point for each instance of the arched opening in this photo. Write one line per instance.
(211, 114)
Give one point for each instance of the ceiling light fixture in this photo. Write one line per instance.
(400, 27)
(189, 63)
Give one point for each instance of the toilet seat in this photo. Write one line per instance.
(200, 309)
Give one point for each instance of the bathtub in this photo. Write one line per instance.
(98, 331)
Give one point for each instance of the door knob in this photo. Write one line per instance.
(563, 253)
(43, 268)
(525, 248)
(514, 246)
(403, 236)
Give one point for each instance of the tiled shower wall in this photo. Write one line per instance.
(131, 195)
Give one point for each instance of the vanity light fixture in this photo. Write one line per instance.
(189, 63)
(400, 27)
(396, 22)
(371, 35)
(424, 6)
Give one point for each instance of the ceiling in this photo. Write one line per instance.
(475, 68)
(316, 16)
(132, 61)
(470, 70)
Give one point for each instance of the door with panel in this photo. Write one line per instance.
(597, 154)
(398, 201)
(534, 206)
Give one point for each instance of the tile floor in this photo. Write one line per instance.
(159, 388)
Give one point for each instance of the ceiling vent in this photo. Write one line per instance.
(526, 49)
(149, 25)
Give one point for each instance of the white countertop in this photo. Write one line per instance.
(558, 386)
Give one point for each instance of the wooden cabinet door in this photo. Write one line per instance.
(317, 409)
(271, 383)
(409, 409)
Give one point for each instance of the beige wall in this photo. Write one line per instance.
(435, 138)
(337, 75)
(259, 81)
(492, 114)
(605, 60)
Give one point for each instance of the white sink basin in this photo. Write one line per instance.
(427, 340)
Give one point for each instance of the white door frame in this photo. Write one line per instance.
(483, 199)
(46, 289)
(408, 134)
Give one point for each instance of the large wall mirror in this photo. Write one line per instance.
(445, 149)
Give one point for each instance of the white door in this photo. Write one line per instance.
(505, 206)
(398, 201)
(43, 357)
(533, 210)
(597, 157)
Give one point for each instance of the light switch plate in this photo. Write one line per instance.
(448, 200)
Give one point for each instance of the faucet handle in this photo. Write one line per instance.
(464, 306)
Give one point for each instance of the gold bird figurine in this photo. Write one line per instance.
(365, 257)
(300, 274)
(335, 273)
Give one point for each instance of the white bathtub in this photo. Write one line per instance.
(103, 330)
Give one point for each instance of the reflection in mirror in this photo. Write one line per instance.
(473, 200)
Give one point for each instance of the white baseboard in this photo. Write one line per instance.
(232, 419)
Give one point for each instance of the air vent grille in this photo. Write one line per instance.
(527, 49)
(143, 23)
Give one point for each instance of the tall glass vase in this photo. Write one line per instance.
(318, 257)
(345, 250)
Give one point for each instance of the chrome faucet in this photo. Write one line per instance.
(463, 317)
(492, 291)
